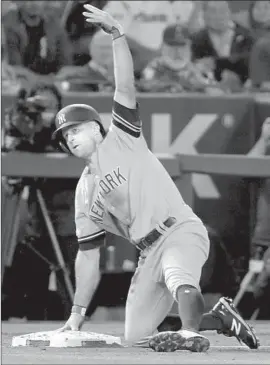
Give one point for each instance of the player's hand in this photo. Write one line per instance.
(102, 19)
(74, 323)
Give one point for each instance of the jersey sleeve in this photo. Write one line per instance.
(89, 235)
(128, 120)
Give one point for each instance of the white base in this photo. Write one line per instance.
(66, 339)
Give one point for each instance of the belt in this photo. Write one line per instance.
(154, 235)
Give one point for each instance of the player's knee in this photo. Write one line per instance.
(177, 279)
(187, 289)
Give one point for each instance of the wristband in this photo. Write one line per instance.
(117, 33)
(78, 309)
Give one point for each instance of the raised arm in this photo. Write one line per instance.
(125, 92)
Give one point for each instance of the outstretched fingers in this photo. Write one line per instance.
(100, 18)
(92, 18)
(93, 9)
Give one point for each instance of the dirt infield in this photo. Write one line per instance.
(223, 350)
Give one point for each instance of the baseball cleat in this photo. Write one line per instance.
(170, 341)
(234, 324)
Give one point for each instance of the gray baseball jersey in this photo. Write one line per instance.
(128, 192)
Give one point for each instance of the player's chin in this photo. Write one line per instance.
(77, 152)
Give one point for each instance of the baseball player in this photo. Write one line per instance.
(125, 190)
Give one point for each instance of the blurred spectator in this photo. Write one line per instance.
(145, 21)
(34, 112)
(256, 19)
(259, 64)
(22, 122)
(223, 47)
(261, 289)
(262, 229)
(29, 122)
(96, 75)
(259, 18)
(7, 6)
(10, 82)
(54, 9)
(53, 103)
(36, 43)
(79, 31)
(261, 236)
(173, 71)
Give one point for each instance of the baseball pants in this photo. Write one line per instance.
(175, 259)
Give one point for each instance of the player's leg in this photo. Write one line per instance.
(148, 302)
(184, 254)
(223, 318)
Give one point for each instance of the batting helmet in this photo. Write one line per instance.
(75, 114)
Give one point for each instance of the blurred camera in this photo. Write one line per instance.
(22, 121)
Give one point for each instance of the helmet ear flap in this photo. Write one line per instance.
(64, 147)
(102, 129)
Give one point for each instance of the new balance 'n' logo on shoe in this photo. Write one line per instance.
(236, 327)
(234, 324)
